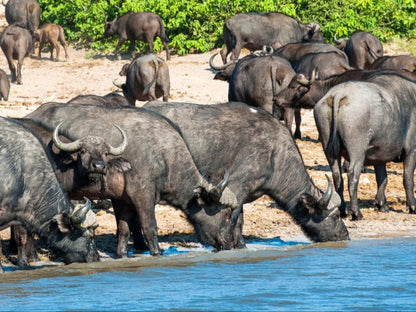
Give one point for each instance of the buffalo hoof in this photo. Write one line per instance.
(355, 216)
(384, 208)
(412, 210)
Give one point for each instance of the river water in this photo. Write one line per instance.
(270, 275)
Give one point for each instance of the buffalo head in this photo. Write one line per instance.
(214, 212)
(297, 88)
(91, 152)
(72, 235)
(110, 28)
(321, 219)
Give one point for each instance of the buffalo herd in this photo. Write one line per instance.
(205, 160)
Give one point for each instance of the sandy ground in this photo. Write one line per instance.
(192, 81)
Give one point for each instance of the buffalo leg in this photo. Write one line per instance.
(117, 50)
(381, 178)
(55, 46)
(63, 43)
(123, 213)
(24, 243)
(41, 43)
(408, 171)
(298, 120)
(12, 69)
(19, 71)
(335, 165)
(132, 49)
(354, 172)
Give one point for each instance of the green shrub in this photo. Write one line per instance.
(196, 26)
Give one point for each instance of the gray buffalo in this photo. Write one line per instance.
(362, 49)
(254, 30)
(156, 166)
(16, 43)
(30, 195)
(112, 99)
(262, 158)
(147, 78)
(373, 126)
(405, 62)
(143, 26)
(4, 86)
(26, 13)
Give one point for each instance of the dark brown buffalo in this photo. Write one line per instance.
(30, 195)
(254, 30)
(156, 166)
(16, 43)
(52, 34)
(406, 62)
(262, 158)
(362, 49)
(112, 99)
(143, 26)
(147, 78)
(26, 13)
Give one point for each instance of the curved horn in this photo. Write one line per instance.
(314, 74)
(66, 147)
(218, 68)
(120, 149)
(4, 2)
(79, 214)
(324, 201)
(106, 19)
(221, 186)
(120, 86)
(336, 40)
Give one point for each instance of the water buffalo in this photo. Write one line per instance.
(155, 166)
(406, 62)
(52, 34)
(112, 99)
(143, 26)
(373, 126)
(253, 30)
(293, 52)
(4, 86)
(30, 195)
(147, 78)
(26, 13)
(362, 49)
(16, 44)
(262, 158)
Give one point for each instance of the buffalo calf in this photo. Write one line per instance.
(51, 33)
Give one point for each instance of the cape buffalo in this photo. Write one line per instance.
(51, 33)
(362, 49)
(16, 44)
(155, 166)
(254, 30)
(262, 158)
(147, 78)
(112, 99)
(406, 62)
(26, 13)
(30, 195)
(373, 126)
(143, 26)
(4, 86)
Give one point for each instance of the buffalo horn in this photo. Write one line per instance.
(336, 40)
(78, 216)
(106, 19)
(120, 86)
(120, 149)
(67, 147)
(221, 186)
(218, 68)
(324, 201)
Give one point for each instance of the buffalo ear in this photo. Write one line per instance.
(120, 164)
(309, 202)
(63, 223)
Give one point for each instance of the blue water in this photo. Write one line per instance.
(364, 275)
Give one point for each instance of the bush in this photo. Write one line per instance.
(196, 26)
